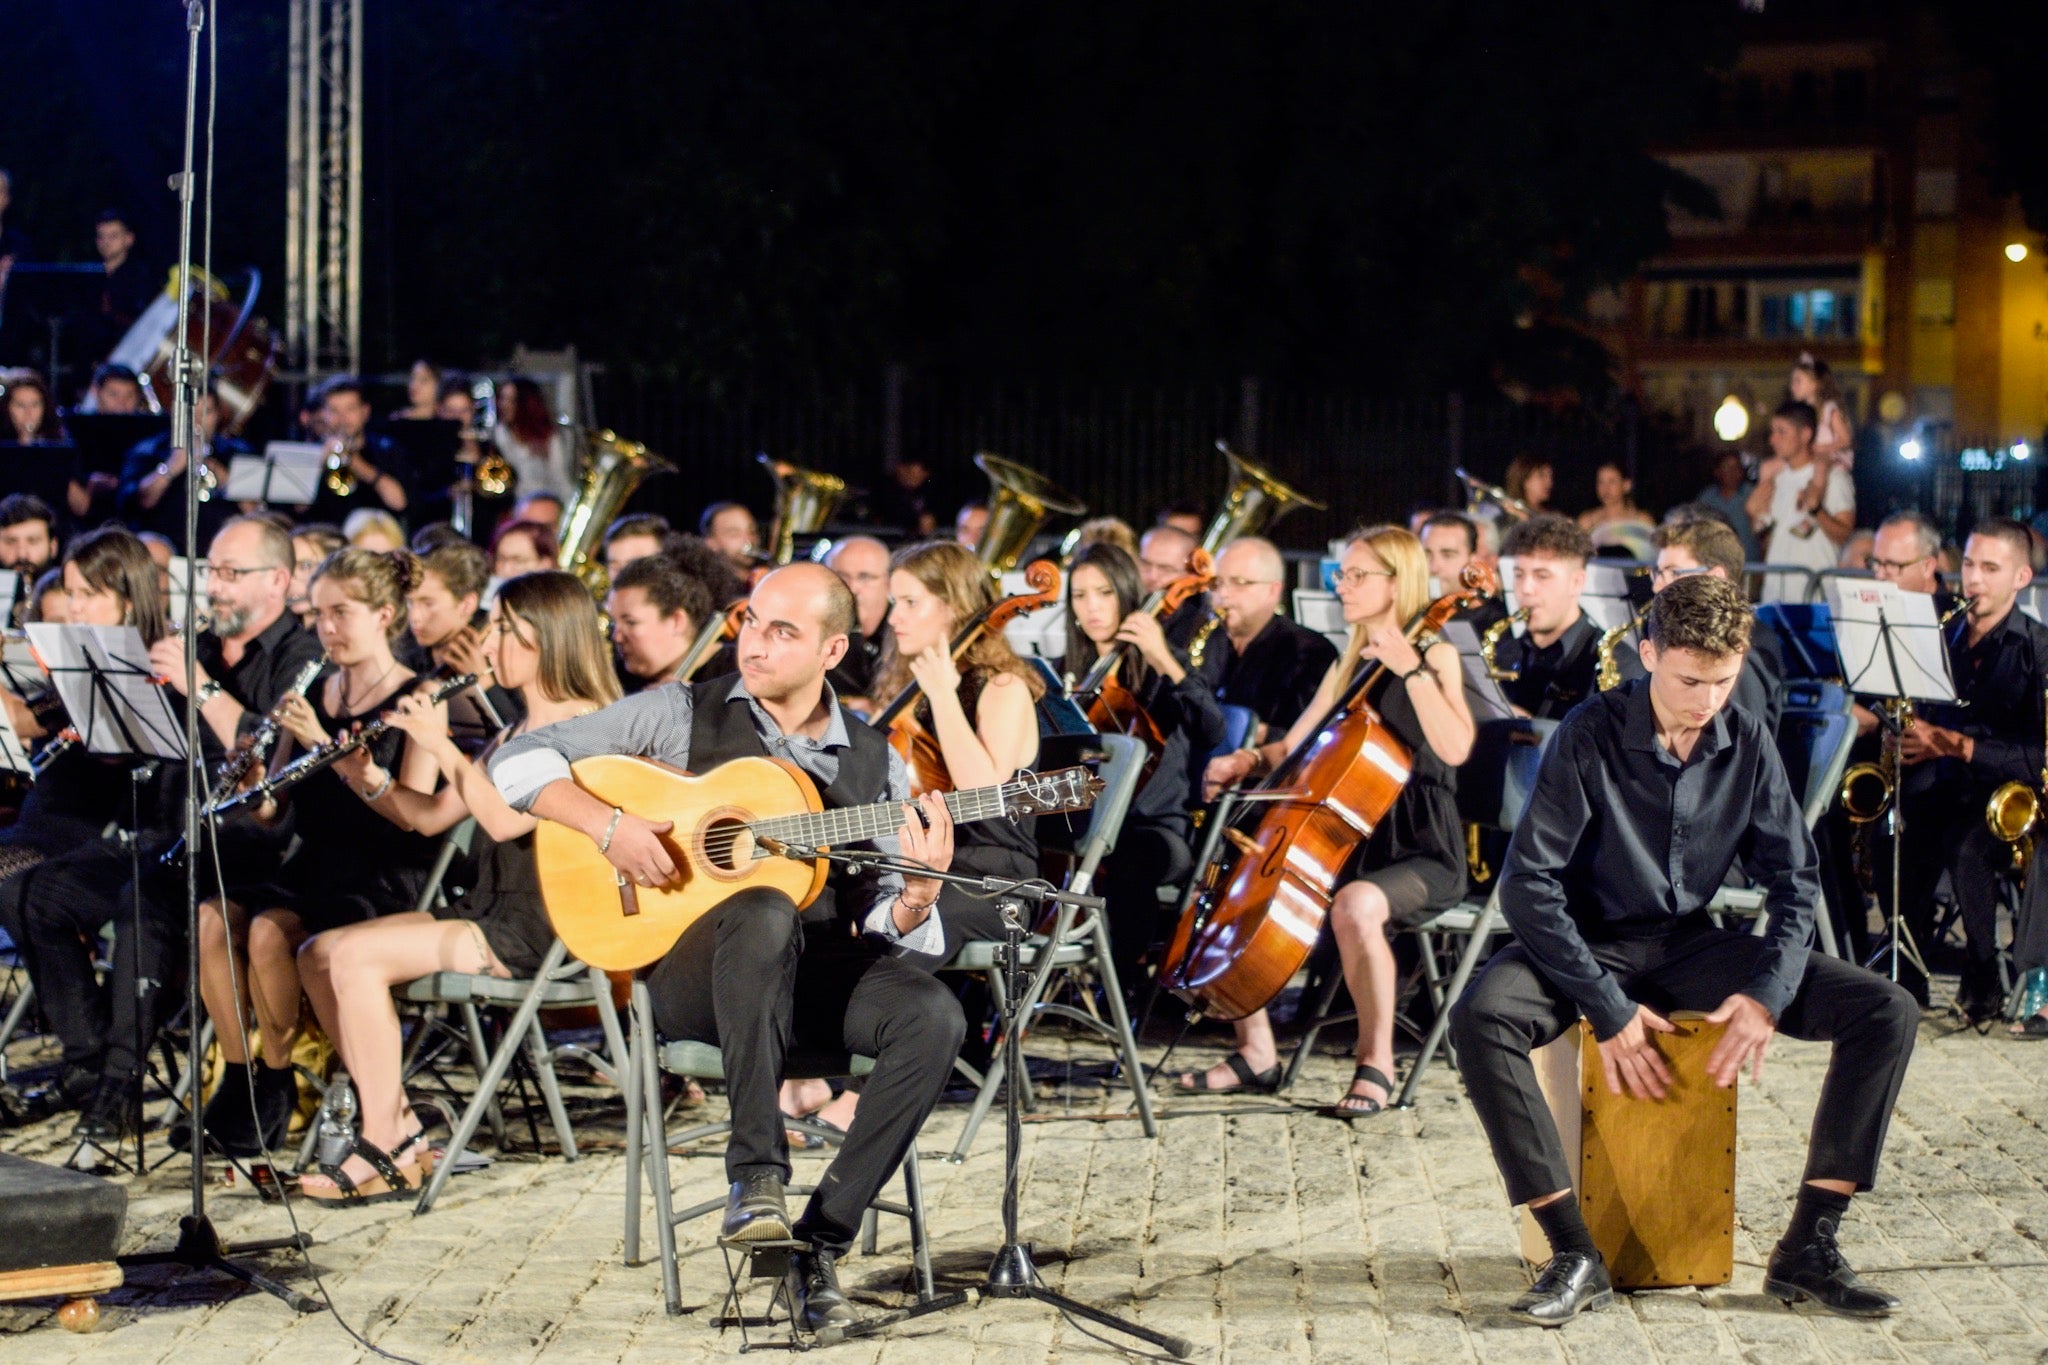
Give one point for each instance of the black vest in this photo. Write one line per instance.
(722, 729)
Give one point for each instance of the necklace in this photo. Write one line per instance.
(370, 691)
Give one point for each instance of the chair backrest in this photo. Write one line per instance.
(1524, 762)
(455, 841)
(1119, 773)
(1238, 724)
(1495, 782)
(1815, 746)
(1819, 695)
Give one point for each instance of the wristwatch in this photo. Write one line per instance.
(208, 690)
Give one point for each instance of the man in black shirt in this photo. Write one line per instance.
(1555, 658)
(1955, 756)
(129, 286)
(1451, 541)
(152, 496)
(1259, 658)
(1710, 547)
(862, 563)
(382, 474)
(1648, 795)
(1163, 555)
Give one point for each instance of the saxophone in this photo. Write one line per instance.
(1490, 641)
(1199, 645)
(1607, 676)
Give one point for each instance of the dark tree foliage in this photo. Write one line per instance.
(1373, 195)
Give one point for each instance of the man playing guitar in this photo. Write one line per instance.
(751, 976)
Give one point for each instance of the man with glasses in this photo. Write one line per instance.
(1259, 658)
(1707, 546)
(862, 563)
(1163, 555)
(1555, 658)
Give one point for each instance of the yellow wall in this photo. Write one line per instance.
(2023, 341)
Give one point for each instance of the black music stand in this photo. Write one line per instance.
(119, 710)
(1891, 647)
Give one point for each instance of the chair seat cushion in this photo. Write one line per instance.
(457, 988)
(50, 1216)
(704, 1062)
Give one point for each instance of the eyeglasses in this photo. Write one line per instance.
(228, 573)
(1667, 575)
(1245, 582)
(1896, 566)
(1156, 567)
(1351, 578)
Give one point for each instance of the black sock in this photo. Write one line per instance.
(1565, 1226)
(1817, 1215)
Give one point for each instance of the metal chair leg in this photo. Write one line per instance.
(656, 1152)
(636, 1130)
(550, 1087)
(1482, 929)
(1120, 1020)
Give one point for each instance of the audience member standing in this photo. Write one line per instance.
(1728, 495)
(1804, 505)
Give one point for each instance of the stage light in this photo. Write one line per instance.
(1909, 449)
(1731, 419)
(2021, 450)
(2015, 252)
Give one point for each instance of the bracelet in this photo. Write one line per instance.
(1415, 672)
(604, 845)
(208, 690)
(384, 787)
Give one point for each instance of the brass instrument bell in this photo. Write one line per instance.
(1020, 502)
(1255, 501)
(804, 501)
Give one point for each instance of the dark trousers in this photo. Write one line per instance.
(752, 979)
(55, 912)
(1512, 1009)
(1147, 857)
(1945, 832)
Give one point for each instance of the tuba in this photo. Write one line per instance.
(804, 501)
(612, 468)
(1255, 501)
(1020, 502)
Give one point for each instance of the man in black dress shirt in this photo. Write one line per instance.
(1451, 540)
(1648, 795)
(1555, 658)
(862, 563)
(1708, 546)
(383, 476)
(1163, 555)
(1259, 658)
(128, 288)
(1955, 756)
(152, 496)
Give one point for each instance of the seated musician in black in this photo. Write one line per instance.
(863, 563)
(1555, 654)
(444, 638)
(1412, 865)
(657, 610)
(152, 494)
(1648, 794)
(1955, 756)
(1260, 659)
(750, 976)
(1708, 546)
(1153, 845)
(376, 465)
(1451, 540)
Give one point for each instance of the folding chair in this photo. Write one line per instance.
(648, 1143)
(1520, 745)
(1080, 944)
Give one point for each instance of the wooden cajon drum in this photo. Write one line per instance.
(59, 1230)
(1655, 1178)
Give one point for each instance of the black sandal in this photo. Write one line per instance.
(388, 1176)
(1265, 1082)
(1354, 1105)
(2030, 1029)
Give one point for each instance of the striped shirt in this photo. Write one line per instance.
(657, 724)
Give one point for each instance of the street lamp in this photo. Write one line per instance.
(1910, 449)
(1731, 419)
(2015, 252)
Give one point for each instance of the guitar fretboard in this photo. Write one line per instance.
(852, 824)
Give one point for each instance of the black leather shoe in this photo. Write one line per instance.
(754, 1211)
(815, 1299)
(69, 1091)
(113, 1112)
(1573, 1283)
(1817, 1271)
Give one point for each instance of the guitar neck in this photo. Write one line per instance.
(853, 824)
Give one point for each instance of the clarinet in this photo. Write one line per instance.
(236, 768)
(324, 757)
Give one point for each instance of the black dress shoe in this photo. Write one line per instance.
(1573, 1283)
(815, 1299)
(114, 1112)
(754, 1211)
(1817, 1271)
(70, 1090)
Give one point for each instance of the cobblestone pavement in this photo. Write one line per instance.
(1254, 1227)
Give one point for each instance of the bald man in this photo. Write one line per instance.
(751, 976)
(862, 563)
(1259, 658)
(1163, 555)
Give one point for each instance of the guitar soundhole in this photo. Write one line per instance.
(728, 846)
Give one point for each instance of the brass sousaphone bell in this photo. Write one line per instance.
(1020, 502)
(804, 501)
(1255, 501)
(612, 468)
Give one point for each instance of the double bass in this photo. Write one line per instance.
(1111, 707)
(907, 735)
(1259, 912)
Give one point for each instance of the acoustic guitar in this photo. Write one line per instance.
(728, 824)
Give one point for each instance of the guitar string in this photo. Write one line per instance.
(854, 824)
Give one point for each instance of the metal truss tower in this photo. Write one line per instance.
(324, 196)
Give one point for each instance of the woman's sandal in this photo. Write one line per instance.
(1354, 1105)
(1265, 1082)
(2033, 1028)
(389, 1182)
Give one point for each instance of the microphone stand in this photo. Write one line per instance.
(199, 1244)
(1012, 1274)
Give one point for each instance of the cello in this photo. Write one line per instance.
(907, 735)
(1111, 707)
(1261, 907)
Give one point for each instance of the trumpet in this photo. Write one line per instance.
(1478, 491)
(1490, 641)
(341, 475)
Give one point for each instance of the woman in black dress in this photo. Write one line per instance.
(543, 642)
(1413, 863)
(350, 863)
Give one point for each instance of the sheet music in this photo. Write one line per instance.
(1321, 612)
(1877, 625)
(1483, 692)
(13, 755)
(108, 688)
(1038, 634)
(288, 474)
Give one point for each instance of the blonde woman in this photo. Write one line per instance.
(1413, 863)
(545, 643)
